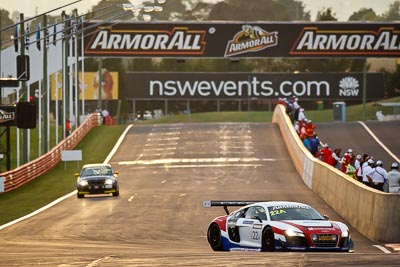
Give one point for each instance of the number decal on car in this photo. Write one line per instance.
(255, 235)
(276, 212)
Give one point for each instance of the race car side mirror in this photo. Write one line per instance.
(258, 218)
(326, 217)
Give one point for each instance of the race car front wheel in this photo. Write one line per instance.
(268, 239)
(214, 237)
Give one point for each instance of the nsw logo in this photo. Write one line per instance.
(250, 39)
(349, 86)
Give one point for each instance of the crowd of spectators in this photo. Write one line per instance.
(361, 167)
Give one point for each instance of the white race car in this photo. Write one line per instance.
(274, 226)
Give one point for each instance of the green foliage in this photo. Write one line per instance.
(6, 21)
(110, 9)
(250, 10)
(392, 82)
(364, 14)
(326, 14)
(393, 13)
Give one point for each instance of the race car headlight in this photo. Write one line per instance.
(345, 234)
(292, 232)
(108, 181)
(83, 183)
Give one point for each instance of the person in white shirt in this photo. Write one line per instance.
(378, 175)
(393, 177)
(366, 168)
(301, 116)
(357, 165)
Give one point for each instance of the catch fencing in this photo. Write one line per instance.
(16, 178)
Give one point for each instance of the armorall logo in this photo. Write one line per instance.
(6, 116)
(179, 41)
(250, 39)
(314, 41)
(349, 86)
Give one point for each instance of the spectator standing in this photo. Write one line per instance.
(351, 170)
(346, 159)
(302, 128)
(357, 165)
(296, 109)
(366, 168)
(289, 107)
(336, 158)
(67, 128)
(307, 143)
(363, 161)
(314, 144)
(377, 176)
(310, 127)
(297, 128)
(301, 117)
(104, 114)
(325, 154)
(393, 177)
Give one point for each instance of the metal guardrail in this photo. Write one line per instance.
(16, 178)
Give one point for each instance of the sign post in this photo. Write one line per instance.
(71, 155)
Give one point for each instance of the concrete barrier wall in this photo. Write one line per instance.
(373, 213)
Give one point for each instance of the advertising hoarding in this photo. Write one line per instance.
(243, 39)
(110, 86)
(174, 85)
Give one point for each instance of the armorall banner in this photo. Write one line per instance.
(242, 39)
(184, 85)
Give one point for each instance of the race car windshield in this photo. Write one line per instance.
(97, 171)
(294, 213)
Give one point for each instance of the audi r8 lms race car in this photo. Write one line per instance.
(275, 226)
(97, 179)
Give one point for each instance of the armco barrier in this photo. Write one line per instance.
(373, 213)
(31, 170)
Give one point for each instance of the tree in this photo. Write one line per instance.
(364, 14)
(326, 14)
(250, 10)
(173, 10)
(107, 9)
(393, 14)
(295, 10)
(6, 21)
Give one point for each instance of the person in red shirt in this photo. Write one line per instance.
(310, 127)
(346, 160)
(67, 128)
(325, 154)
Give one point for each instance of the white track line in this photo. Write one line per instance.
(383, 249)
(121, 138)
(379, 141)
(38, 211)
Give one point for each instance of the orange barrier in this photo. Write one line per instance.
(15, 178)
(373, 213)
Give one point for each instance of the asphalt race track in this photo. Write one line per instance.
(353, 135)
(166, 171)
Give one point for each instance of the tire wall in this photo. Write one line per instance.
(373, 213)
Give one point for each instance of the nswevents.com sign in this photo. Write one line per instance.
(246, 85)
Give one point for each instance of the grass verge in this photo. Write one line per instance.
(60, 180)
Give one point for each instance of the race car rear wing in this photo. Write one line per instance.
(226, 204)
